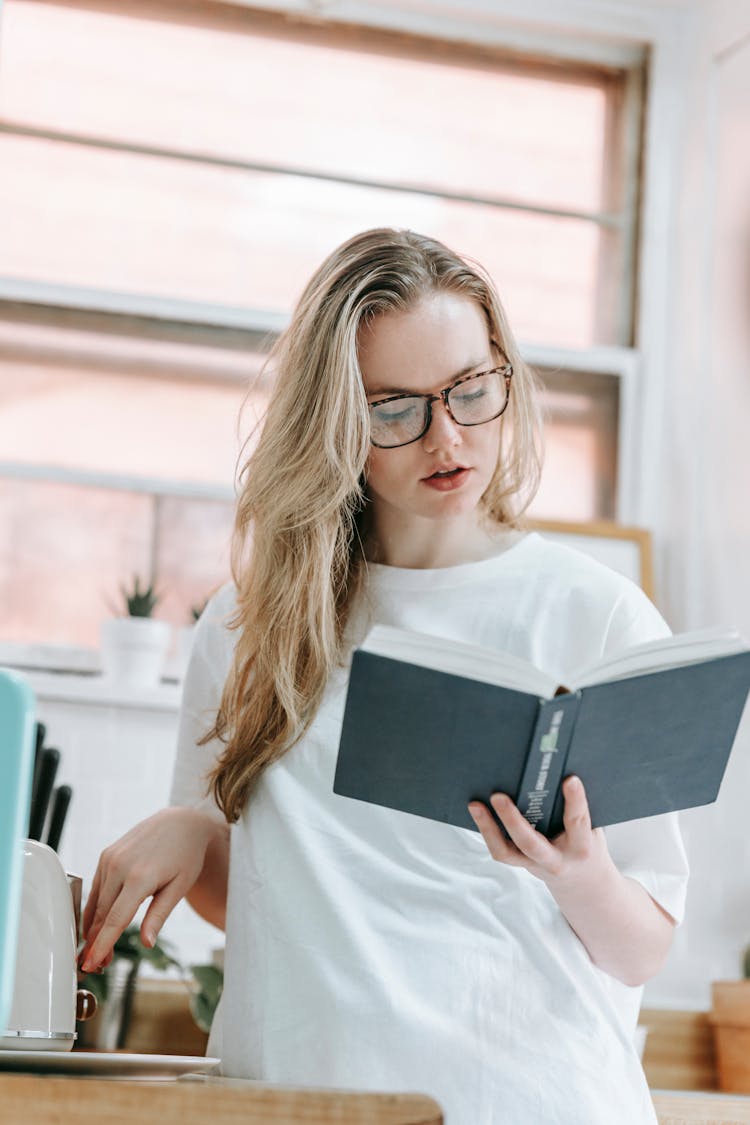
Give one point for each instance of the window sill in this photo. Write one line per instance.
(97, 691)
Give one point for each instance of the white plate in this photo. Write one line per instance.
(106, 1064)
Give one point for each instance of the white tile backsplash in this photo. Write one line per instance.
(118, 761)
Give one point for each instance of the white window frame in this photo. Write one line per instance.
(614, 34)
(583, 30)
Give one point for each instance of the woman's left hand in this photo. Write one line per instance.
(579, 852)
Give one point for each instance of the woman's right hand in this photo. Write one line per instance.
(161, 856)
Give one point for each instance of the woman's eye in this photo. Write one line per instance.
(467, 397)
(396, 412)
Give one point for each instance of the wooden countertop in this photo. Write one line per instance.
(48, 1100)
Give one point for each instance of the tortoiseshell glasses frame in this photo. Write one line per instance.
(505, 371)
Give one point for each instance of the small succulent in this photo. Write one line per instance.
(140, 602)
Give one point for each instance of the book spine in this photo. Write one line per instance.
(545, 761)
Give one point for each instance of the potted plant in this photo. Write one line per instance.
(730, 1020)
(114, 989)
(134, 645)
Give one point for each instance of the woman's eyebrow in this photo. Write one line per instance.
(404, 391)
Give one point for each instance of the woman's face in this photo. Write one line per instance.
(423, 350)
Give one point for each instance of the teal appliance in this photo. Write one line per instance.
(17, 707)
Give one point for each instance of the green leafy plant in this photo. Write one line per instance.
(140, 603)
(746, 963)
(205, 983)
(208, 984)
(128, 950)
(130, 947)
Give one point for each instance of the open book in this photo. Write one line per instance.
(432, 724)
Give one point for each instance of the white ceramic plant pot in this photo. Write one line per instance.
(134, 649)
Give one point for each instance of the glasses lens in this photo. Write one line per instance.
(397, 422)
(478, 399)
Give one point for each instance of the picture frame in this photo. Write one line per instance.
(627, 550)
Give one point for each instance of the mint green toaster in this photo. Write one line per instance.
(17, 707)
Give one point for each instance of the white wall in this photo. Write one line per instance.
(117, 758)
(704, 521)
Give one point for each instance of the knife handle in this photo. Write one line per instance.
(50, 760)
(40, 733)
(60, 803)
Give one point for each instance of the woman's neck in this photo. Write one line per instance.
(433, 544)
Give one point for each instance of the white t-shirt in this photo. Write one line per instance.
(371, 949)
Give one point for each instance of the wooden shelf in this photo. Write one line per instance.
(679, 1052)
(678, 1108)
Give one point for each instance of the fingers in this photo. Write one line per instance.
(576, 814)
(571, 855)
(106, 888)
(524, 835)
(120, 894)
(101, 945)
(160, 857)
(99, 948)
(526, 848)
(162, 905)
(499, 848)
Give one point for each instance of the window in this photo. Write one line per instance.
(580, 472)
(172, 174)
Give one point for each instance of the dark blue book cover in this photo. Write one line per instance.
(427, 742)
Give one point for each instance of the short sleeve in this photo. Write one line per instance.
(650, 850)
(207, 670)
(634, 621)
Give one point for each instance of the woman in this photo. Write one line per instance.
(367, 948)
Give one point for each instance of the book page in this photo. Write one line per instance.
(660, 655)
(459, 659)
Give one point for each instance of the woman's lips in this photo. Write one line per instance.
(448, 482)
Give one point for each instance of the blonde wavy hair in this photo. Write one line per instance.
(297, 549)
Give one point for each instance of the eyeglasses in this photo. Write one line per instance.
(471, 401)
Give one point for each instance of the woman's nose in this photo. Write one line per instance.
(443, 433)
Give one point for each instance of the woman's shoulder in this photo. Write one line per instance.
(214, 637)
(578, 568)
(631, 617)
(222, 603)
